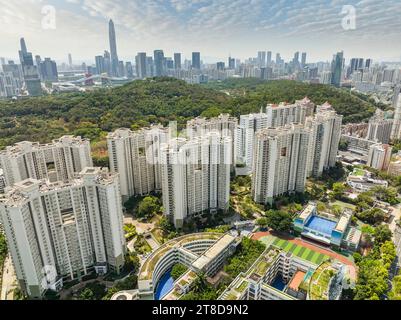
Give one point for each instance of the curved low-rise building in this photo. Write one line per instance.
(200, 252)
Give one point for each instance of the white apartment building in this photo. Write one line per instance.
(396, 132)
(2, 181)
(135, 156)
(64, 230)
(280, 162)
(380, 128)
(284, 113)
(60, 160)
(325, 128)
(380, 156)
(196, 176)
(274, 117)
(248, 126)
(223, 124)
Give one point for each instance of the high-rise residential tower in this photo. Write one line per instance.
(325, 128)
(396, 131)
(135, 155)
(59, 231)
(195, 176)
(380, 128)
(224, 124)
(280, 162)
(56, 161)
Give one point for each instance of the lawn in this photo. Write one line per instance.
(343, 205)
(300, 251)
(359, 172)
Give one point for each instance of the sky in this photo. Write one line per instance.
(216, 28)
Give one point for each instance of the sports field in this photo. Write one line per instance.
(300, 251)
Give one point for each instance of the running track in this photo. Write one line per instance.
(310, 246)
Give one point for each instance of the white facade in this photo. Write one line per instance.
(223, 124)
(196, 175)
(280, 162)
(64, 229)
(248, 126)
(60, 160)
(380, 128)
(380, 156)
(274, 117)
(396, 132)
(325, 129)
(135, 156)
(284, 113)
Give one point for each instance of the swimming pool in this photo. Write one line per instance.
(321, 225)
(166, 283)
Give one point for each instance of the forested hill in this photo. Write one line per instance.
(141, 103)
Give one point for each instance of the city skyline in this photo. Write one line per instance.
(215, 28)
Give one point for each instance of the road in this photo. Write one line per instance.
(9, 282)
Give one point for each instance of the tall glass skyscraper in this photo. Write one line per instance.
(113, 49)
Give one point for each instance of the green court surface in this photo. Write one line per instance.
(299, 251)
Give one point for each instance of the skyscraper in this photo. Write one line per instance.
(195, 176)
(280, 162)
(56, 161)
(70, 60)
(30, 71)
(48, 70)
(196, 60)
(262, 58)
(159, 63)
(135, 156)
(113, 49)
(337, 66)
(325, 128)
(129, 70)
(303, 61)
(380, 128)
(269, 58)
(231, 63)
(107, 62)
(396, 131)
(140, 61)
(64, 230)
(224, 124)
(100, 65)
(177, 61)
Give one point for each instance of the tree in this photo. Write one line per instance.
(382, 234)
(338, 190)
(279, 221)
(132, 262)
(86, 294)
(386, 194)
(372, 216)
(178, 270)
(262, 222)
(148, 207)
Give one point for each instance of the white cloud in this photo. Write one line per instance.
(211, 26)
